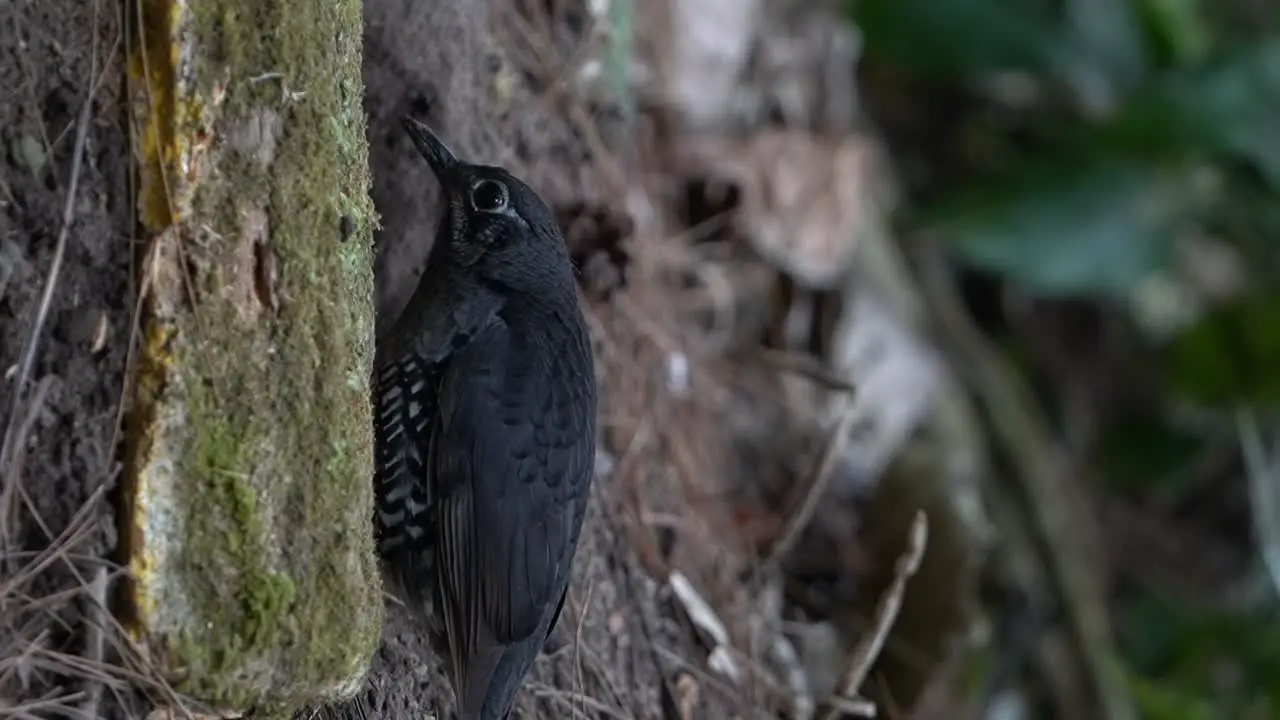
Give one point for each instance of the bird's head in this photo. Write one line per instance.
(495, 227)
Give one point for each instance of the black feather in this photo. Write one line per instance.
(511, 460)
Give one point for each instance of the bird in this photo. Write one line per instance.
(485, 408)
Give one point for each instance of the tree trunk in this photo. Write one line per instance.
(248, 536)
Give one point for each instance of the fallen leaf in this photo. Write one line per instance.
(805, 199)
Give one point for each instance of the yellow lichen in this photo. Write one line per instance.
(152, 372)
(173, 122)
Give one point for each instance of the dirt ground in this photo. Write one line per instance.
(53, 55)
(439, 61)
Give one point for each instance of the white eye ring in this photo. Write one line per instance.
(489, 196)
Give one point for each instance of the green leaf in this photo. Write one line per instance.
(1178, 27)
(1107, 54)
(959, 37)
(1176, 652)
(1093, 228)
(1230, 106)
(1231, 356)
(1097, 47)
(1168, 701)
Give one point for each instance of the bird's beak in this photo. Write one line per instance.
(442, 161)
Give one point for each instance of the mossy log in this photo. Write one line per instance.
(248, 518)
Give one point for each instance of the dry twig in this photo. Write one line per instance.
(869, 647)
(95, 623)
(11, 476)
(817, 488)
(806, 366)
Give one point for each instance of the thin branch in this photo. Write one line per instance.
(836, 445)
(95, 622)
(869, 647)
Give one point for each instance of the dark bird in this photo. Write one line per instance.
(485, 419)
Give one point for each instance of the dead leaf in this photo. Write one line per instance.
(805, 199)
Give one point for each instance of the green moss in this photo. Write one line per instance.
(268, 597)
(277, 558)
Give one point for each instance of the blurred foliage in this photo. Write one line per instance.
(1092, 226)
(1231, 357)
(1111, 133)
(1146, 452)
(1196, 663)
(1095, 46)
(1097, 208)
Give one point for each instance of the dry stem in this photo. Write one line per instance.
(869, 647)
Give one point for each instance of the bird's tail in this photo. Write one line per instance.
(473, 684)
(492, 678)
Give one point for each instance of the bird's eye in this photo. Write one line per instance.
(489, 196)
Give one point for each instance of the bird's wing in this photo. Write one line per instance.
(511, 456)
(404, 406)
